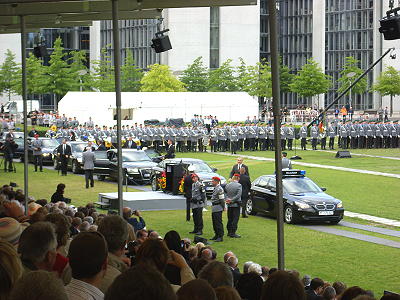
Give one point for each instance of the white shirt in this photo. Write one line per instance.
(80, 290)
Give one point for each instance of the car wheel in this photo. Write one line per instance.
(288, 215)
(101, 177)
(75, 167)
(249, 207)
(55, 164)
(154, 184)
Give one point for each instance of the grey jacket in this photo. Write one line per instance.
(37, 146)
(286, 163)
(218, 199)
(88, 160)
(198, 194)
(234, 193)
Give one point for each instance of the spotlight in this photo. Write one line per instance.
(390, 25)
(393, 56)
(161, 42)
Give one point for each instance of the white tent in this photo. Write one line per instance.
(137, 107)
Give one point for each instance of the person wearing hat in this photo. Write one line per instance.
(197, 203)
(37, 146)
(218, 205)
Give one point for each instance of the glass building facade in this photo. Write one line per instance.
(135, 36)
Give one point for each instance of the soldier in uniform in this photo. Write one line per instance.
(233, 137)
(37, 146)
(213, 140)
(283, 138)
(386, 135)
(362, 135)
(303, 136)
(197, 203)
(343, 136)
(370, 134)
(218, 205)
(378, 135)
(331, 135)
(314, 136)
(271, 137)
(393, 133)
(353, 135)
(290, 134)
(242, 136)
(233, 200)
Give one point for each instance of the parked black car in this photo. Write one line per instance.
(75, 160)
(48, 147)
(303, 199)
(136, 165)
(200, 167)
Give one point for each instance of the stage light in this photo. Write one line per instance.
(161, 42)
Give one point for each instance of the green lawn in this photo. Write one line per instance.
(43, 185)
(310, 252)
(362, 193)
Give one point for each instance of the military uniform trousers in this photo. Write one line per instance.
(331, 143)
(217, 224)
(233, 220)
(38, 161)
(198, 219)
(303, 143)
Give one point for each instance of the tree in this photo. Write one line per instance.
(286, 78)
(130, 75)
(243, 76)
(103, 74)
(388, 84)
(161, 79)
(10, 76)
(61, 78)
(80, 73)
(349, 74)
(195, 76)
(36, 76)
(259, 83)
(223, 79)
(310, 80)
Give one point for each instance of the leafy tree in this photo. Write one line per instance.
(79, 71)
(286, 78)
(10, 76)
(195, 76)
(61, 78)
(36, 76)
(388, 84)
(130, 75)
(103, 74)
(223, 79)
(161, 79)
(259, 80)
(243, 76)
(310, 80)
(349, 74)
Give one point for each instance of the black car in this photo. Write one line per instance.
(303, 199)
(75, 160)
(48, 147)
(201, 168)
(136, 165)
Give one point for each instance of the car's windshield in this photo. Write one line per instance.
(135, 156)
(78, 147)
(50, 143)
(200, 167)
(294, 185)
(100, 154)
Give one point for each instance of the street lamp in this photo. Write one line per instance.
(350, 76)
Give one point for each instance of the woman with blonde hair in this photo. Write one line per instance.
(10, 268)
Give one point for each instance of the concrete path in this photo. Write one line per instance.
(318, 166)
(385, 231)
(353, 235)
(358, 154)
(372, 218)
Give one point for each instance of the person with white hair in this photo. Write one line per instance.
(246, 266)
(255, 268)
(232, 262)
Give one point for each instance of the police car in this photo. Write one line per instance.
(303, 199)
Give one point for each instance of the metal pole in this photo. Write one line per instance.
(277, 124)
(117, 71)
(25, 108)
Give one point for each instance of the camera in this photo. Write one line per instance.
(390, 25)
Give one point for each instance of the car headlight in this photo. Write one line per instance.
(302, 205)
(132, 170)
(79, 159)
(339, 205)
(46, 154)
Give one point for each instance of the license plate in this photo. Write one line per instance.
(146, 175)
(326, 213)
(209, 188)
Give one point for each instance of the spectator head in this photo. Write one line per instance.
(126, 213)
(352, 292)
(306, 280)
(62, 228)
(93, 228)
(227, 293)
(76, 222)
(255, 268)
(139, 283)
(339, 287)
(232, 262)
(227, 255)
(10, 268)
(153, 234)
(84, 226)
(88, 255)
(246, 266)
(155, 253)
(142, 235)
(115, 231)
(37, 245)
(264, 272)
(60, 188)
(217, 274)
(197, 264)
(10, 230)
(173, 241)
(329, 293)
(39, 285)
(317, 285)
(197, 289)
(88, 219)
(249, 286)
(206, 253)
(79, 214)
(282, 285)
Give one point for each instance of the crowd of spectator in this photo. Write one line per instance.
(58, 251)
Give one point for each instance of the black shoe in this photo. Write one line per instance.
(220, 239)
(236, 236)
(214, 238)
(192, 232)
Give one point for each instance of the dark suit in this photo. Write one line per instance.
(244, 180)
(311, 295)
(130, 145)
(235, 170)
(187, 187)
(170, 152)
(236, 275)
(64, 153)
